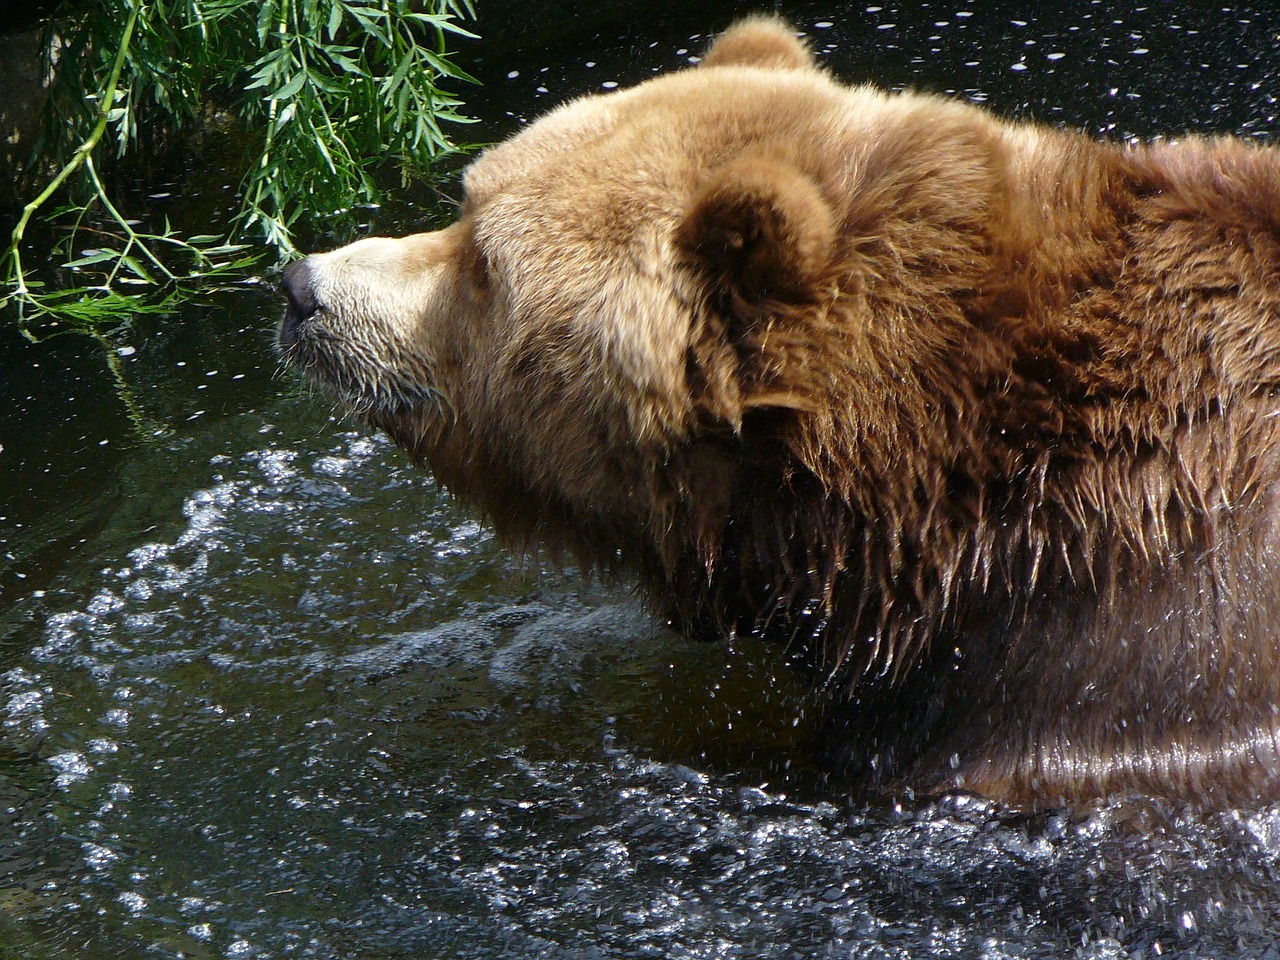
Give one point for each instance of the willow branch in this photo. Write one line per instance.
(80, 155)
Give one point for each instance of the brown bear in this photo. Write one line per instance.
(983, 417)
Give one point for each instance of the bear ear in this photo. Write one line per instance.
(759, 42)
(760, 228)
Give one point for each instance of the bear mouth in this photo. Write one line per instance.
(290, 335)
(304, 343)
(303, 305)
(348, 371)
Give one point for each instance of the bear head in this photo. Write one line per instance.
(635, 281)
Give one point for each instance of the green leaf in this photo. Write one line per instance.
(97, 256)
(138, 270)
(266, 18)
(290, 87)
(285, 115)
(271, 66)
(373, 29)
(443, 22)
(397, 78)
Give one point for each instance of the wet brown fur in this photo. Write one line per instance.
(982, 416)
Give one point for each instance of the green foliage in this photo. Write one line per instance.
(315, 96)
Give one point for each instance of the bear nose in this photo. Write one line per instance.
(299, 287)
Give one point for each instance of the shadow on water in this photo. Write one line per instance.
(265, 693)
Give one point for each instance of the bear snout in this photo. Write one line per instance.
(298, 283)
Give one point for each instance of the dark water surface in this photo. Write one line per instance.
(264, 692)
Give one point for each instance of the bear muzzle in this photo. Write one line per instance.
(298, 283)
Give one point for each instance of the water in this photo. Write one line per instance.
(264, 692)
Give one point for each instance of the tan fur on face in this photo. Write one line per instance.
(983, 417)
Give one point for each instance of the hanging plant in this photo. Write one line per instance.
(321, 94)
